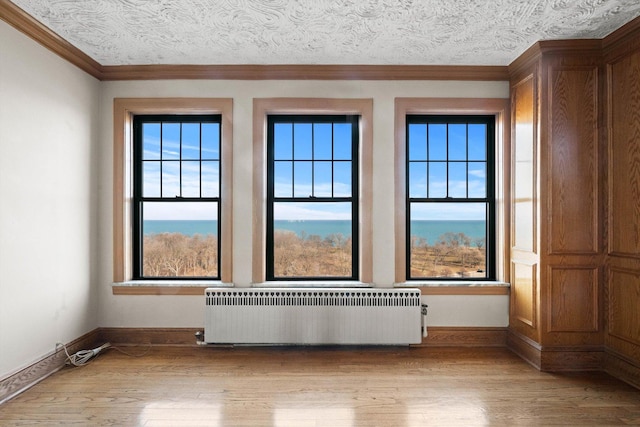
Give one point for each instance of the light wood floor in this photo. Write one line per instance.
(172, 386)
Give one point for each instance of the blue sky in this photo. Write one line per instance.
(189, 168)
(297, 175)
(306, 169)
(431, 159)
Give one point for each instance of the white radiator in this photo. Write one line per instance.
(312, 316)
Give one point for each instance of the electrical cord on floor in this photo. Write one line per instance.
(83, 357)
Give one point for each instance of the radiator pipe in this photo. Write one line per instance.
(200, 338)
(423, 310)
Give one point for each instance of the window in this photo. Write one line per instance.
(124, 112)
(263, 108)
(312, 197)
(450, 197)
(176, 196)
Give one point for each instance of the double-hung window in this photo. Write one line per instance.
(450, 197)
(176, 196)
(312, 197)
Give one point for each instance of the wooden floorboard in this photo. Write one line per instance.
(321, 386)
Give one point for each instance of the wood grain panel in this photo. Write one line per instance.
(438, 336)
(571, 360)
(573, 161)
(524, 175)
(624, 155)
(624, 304)
(150, 336)
(622, 368)
(524, 293)
(465, 337)
(525, 347)
(573, 299)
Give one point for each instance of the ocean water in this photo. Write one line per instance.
(428, 230)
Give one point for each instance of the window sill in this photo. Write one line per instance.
(435, 287)
(197, 287)
(312, 284)
(166, 287)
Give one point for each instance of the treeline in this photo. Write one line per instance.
(311, 255)
(452, 255)
(176, 254)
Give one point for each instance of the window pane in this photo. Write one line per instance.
(448, 240)
(437, 179)
(191, 179)
(151, 179)
(170, 179)
(322, 179)
(302, 179)
(283, 141)
(322, 143)
(342, 143)
(170, 141)
(283, 175)
(437, 142)
(477, 179)
(211, 179)
(418, 179)
(457, 142)
(417, 142)
(312, 240)
(151, 141)
(191, 141)
(313, 178)
(477, 141)
(302, 141)
(210, 141)
(342, 179)
(448, 232)
(180, 239)
(458, 180)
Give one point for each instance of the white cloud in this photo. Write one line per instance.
(312, 211)
(448, 211)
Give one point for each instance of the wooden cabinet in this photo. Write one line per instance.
(575, 205)
(557, 170)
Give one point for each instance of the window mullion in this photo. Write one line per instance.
(161, 155)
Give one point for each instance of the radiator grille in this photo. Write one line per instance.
(315, 298)
(312, 316)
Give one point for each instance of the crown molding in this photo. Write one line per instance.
(25, 23)
(621, 42)
(525, 62)
(528, 58)
(304, 72)
(571, 46)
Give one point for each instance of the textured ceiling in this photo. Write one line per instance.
(372, 32)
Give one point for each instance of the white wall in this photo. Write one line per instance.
(183, 311)
(48, 128)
